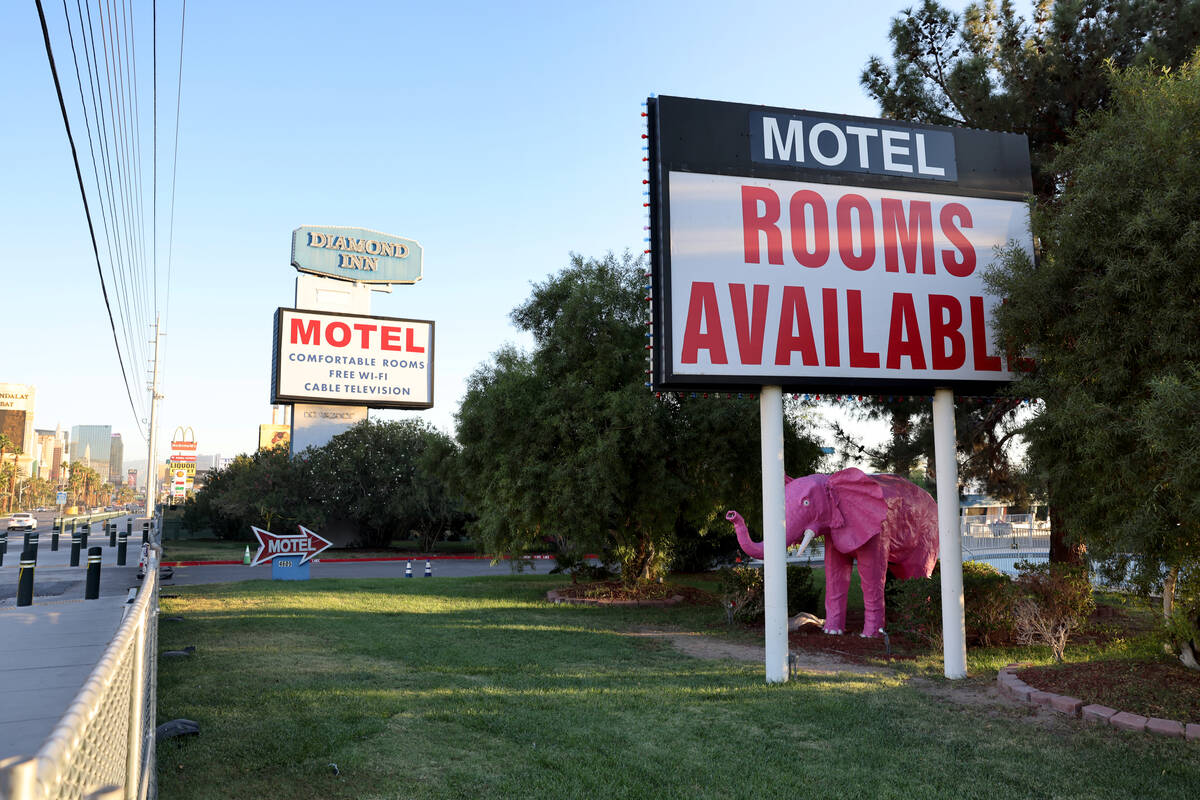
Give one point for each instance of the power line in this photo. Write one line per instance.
(117, 258)
(83, 195)
(174, 166)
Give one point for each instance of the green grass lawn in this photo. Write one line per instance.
(478, 688)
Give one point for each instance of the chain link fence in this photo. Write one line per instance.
(103, 747)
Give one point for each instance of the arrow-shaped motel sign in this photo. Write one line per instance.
(306, 544)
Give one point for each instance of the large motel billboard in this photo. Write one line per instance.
(826, 252)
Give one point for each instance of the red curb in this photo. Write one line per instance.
(1040, 698)
(1128, 722)
(1066, 705)
(1192, 732)
(1165, 727)
(1021, 691)
(1097, 713)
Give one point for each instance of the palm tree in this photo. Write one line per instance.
(8, 445)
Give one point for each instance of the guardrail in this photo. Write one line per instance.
(103, 748)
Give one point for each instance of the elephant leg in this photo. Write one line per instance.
(872, 572)
(837, 587)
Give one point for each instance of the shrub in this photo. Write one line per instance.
(1053, 601)
(803, 593)
(914, 607)
(989, 596)
(741, 589)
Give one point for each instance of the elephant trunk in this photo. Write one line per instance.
(752, 548)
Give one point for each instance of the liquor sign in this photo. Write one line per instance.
(823, 252)
(356, 254)
(179, 482)
(182, 463)
(351, 359)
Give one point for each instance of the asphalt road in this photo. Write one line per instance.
(54, 578)
(449, 568)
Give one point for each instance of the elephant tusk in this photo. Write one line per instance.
(808, 537)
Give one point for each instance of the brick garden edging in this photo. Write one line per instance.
(554, 597)
(1017, 689)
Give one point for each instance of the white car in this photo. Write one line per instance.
(22, 522)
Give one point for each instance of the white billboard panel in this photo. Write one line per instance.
(352, 359)
(774, 279)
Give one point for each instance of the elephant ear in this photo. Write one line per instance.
(858, 509)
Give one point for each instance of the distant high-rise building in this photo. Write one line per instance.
(91, 446)
(131, 479)
(50, 447)
(116, 461)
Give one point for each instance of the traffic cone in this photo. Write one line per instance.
(246, 556)
(408, 569)
(428, 570)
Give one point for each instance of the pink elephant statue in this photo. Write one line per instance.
(881, 521)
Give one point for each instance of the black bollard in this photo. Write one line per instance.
(33, 544)
(85, 529)
(112, 534)
(74, 549)
(54, 540)
(3, 548)
(122, 547)
(25, 580)
(25, 543)
(92, 590)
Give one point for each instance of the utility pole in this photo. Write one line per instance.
(151, 463)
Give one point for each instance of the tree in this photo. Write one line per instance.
(992, 68)
(265, 489)
(1109, 315)
(8, 476)
(382, 477)
(565, 442)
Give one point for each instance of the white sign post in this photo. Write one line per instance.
(945, 448)
(770, 409)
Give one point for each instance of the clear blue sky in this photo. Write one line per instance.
(502, 137)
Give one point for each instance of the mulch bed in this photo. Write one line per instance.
(1150, 688)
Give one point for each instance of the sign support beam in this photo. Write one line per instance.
(954, 633)
(770, 409)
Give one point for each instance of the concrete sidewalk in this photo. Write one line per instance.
(47, 652)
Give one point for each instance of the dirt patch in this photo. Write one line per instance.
(707, 647)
